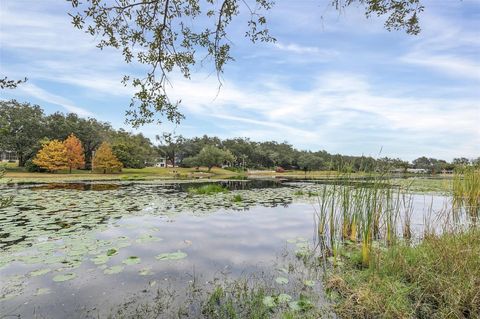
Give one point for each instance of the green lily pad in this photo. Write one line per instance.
(269, 301)
(281, 280)
(40, 272)
(132, 260)
(294, 305)
(284, 298)
(42, 291)
(64, 277)
(147, 238)
(100, 259)
(309, 283)
(112, 252)
(171, 256)
(147, 271)
(113, 270)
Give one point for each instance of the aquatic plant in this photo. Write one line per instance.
(207, 189)
(466, 190)
(237, 198)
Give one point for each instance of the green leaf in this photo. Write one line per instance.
(269, 301)
(281, 280)
(171, 256)
(132, 260)
(113, 270)
(64, 277)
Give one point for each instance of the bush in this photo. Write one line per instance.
(32, 167)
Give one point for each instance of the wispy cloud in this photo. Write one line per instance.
(32, 90)
(302, 49)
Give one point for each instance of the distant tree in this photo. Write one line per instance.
(192, 161)
(75, 152)
(133, 150)
(461, 161)
(422, 162)
(211, 156)
(308, 161)
(170, 145)
(90, 131)
(21, 128)
(104, 159)
(476, 162)
(52, 156)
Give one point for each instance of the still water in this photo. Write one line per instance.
(68, 250)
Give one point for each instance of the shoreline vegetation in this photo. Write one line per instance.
(439, 183)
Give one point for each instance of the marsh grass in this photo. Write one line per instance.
(237, 198)
(209, 189)
(362, 214)
(439, 278)
(466, 190)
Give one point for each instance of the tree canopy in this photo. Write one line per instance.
(75, 152)
(211, 156)
(21, 128)
(104, 159)
(174, 35)
(52, 157)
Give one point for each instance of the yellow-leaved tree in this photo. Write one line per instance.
(75, 152)
(105, 160)
(52, 156)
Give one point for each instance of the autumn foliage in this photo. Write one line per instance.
(75, 157)
(52, 156)
(105, 160)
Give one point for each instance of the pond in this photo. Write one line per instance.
(81, 249)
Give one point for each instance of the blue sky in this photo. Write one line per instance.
(338, 82)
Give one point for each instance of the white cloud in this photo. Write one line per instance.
(301, 49)
(36, 92)
(447, 46)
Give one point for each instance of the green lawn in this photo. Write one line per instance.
(16, 174)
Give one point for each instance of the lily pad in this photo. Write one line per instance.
(132, 260)
(100, 259)
(147, 238)
(112, 252)
(147, 271)
(309, 283)
(64, 277)
(269, 301)
(284, 298)
(171, 256)
(113, 270)
(40, 272)
(42, 291)
(281, 280)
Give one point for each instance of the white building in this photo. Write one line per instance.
(161, 162)
(8, 156)
(417, 170)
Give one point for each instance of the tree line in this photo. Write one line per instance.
(26, 129)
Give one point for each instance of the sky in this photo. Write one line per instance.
(333, 81)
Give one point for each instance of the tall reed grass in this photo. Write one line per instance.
(375, 209)
(466, 190)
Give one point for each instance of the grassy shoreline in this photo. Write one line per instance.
(439, 278)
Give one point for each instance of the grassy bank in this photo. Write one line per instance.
(16, 175)
(439, 278)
